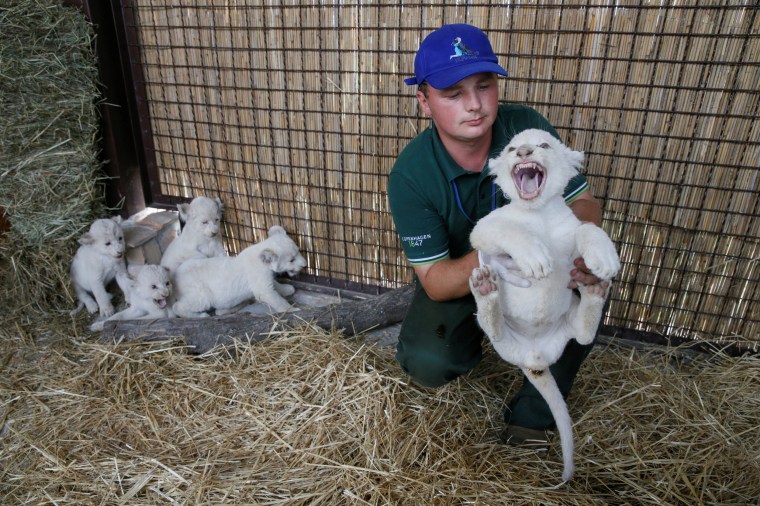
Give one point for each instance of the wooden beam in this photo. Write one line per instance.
(204, 334)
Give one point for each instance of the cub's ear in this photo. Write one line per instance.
(576, 158)
(184, 210)
(268, 256)
(219, 204)
(126, 278)
(276, 229)
(494, 164)
(118, 219)
(86, 239)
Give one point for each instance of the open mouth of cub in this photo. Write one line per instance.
(529, 179)
(160, 303)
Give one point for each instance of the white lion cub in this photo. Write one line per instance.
(98, 261)
(200, 236)
(226, 283)
(530, 326)
(149, 290)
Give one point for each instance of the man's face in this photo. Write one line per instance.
(465, 111)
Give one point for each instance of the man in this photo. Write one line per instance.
(438, 188)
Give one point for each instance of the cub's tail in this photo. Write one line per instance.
(77, 309)
(547, 386)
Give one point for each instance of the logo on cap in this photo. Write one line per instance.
(461, 50)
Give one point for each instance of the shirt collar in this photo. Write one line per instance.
(452, 169)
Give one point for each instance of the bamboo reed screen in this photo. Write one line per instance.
(293, 113)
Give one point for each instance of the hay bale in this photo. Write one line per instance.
(314, 418)
(49, 169)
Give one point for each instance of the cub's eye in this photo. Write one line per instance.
(108, 243)
(168, 284)
(545, 145)
(205, 222)
(153, 287)
(510, 149)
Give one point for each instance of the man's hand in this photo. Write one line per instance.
(505, 268)
(581, 275)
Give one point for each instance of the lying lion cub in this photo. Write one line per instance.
(227, 283)
(148, 292)
(530, 326)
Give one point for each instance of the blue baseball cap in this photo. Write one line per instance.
(451, 53)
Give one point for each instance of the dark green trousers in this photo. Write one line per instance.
(440, 341)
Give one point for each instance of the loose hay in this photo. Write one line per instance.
(312, 418)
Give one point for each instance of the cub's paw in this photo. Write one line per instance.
(106, 310)
(603, 261)
(598, 251)
(534, 260)
(286, 290)
(483, 281)
(600, 290)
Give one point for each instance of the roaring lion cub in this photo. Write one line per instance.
(530, 326)
(149, 290)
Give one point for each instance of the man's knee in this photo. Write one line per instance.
(430, 369)
(438, 341)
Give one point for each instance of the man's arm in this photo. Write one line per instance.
(587, 209)
(447, 279)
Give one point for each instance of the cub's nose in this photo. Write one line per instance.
(525, 150)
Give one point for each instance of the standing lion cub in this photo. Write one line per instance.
(530, 326)
(226, 283)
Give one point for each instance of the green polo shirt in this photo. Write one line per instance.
(435, 202)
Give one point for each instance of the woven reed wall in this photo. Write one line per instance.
(293, 114)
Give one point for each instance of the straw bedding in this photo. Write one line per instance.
(310, 417)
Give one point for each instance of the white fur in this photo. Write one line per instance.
(149, 291)
(200, 237)
(98, 261)
(226, 283)
(530, 327)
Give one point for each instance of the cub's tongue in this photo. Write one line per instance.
(529, 178)
(160, 303)
(529, 182)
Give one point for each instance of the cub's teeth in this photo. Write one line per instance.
(519, 168)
